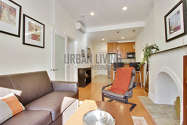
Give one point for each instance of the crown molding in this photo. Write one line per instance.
(122, 41)
(116, 27)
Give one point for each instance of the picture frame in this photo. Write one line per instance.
(10, 17)
(89, 53)
(83, 53)
(174, 22)
(33, 32)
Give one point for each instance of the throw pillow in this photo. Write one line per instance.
(9, 106)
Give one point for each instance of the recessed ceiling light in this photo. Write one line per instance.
(124, 8)
(92, 13)
(103, 39)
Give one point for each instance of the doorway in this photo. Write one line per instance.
(59, 53)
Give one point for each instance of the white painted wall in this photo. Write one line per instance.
(154, 31)
(170, 62)
(145, 37)
(64, 24)
(17, 58)
(98, 47)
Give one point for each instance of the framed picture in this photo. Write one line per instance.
(174, 22)
(33, 32)
(82, 52)
(10, 17)
(89, 53)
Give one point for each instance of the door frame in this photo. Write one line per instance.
(184, 80)
(53, 61)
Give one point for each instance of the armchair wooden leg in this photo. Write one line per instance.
(103, 99)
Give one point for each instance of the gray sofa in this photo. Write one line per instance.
(41, 97)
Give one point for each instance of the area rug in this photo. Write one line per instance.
(139, 120)
(161, 114)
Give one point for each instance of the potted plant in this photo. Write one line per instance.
(149, 50)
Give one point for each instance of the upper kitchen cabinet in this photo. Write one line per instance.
(121, 48)
(112, 47)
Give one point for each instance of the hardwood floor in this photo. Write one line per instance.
(93, 92)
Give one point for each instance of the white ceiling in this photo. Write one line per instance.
(107, 12)
(115, 35)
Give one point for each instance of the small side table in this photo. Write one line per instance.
(73, 106)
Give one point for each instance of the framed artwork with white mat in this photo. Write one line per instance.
(33, 32)
(10, 17)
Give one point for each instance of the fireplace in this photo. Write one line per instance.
(84, 76)
(166, 77)
(166, 90)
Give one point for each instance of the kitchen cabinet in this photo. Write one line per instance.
(121, 48)
(112, 47)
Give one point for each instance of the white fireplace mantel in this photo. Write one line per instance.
(166, 76)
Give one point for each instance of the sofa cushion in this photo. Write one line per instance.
(52, 102)
(5, 82)
(9, 106)
(32, 85)
(6, 86)
(30, 118)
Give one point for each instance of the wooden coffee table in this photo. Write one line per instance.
(120, 112)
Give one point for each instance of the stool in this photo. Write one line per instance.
(140, 78)
(137, 67)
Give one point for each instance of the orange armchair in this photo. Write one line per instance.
(122, 87)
